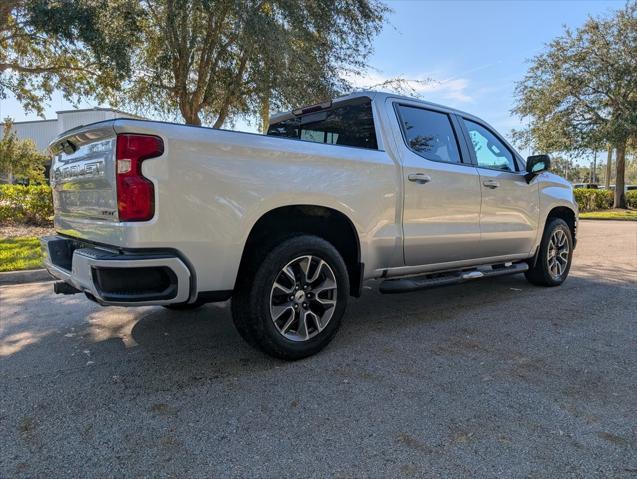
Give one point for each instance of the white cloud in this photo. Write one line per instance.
(426, 86)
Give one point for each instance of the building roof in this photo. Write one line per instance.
(79, 110)
(29, 121)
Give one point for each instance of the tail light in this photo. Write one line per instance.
(135, 193)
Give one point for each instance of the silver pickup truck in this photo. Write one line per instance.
(290, 224)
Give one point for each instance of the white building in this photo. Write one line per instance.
(43, 131)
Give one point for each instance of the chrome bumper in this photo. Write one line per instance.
(116, 278)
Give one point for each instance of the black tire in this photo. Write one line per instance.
(540, 274)
(185, 306)
(251, 300)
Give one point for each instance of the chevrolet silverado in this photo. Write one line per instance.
(289, 224)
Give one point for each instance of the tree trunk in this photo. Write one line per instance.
(191, 117)
(609, 167)
(231, 91)
(265, 113)
(221, 118)
(620, 197)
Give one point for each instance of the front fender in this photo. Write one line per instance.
(555, 192)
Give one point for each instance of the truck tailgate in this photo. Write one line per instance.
(83, 182)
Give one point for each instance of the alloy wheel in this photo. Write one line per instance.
(303, 298)
(558, 254)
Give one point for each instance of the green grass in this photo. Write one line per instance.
(19, 253)
(625, 215)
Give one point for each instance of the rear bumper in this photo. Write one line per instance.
(118, 278)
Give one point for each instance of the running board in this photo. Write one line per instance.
(415, 283)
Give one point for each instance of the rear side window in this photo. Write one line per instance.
(429, 134)
(346, 125)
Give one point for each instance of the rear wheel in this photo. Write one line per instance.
(554, 257)
(290, 304)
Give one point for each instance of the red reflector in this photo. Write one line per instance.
(135, 193)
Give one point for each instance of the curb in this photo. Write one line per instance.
(623, 220)
(28, 276)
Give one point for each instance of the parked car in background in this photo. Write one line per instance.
(289, 224)
(626, 187)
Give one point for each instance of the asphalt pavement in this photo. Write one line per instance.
(493, 378)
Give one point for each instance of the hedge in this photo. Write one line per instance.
(26, 204)
(592, 200)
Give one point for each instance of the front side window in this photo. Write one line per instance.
(347, 125)
(490, 151)
(429, 134)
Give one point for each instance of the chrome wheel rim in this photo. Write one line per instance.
(303, 298)
(558, 254)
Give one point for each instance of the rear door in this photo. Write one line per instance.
(510, 206)
(441, 209)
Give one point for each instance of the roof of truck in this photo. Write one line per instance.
(374, 96)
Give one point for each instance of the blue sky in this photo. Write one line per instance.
(474, 50)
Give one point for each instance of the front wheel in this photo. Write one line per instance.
(290, 304)
(554, 257)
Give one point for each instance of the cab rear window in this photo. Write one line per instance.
(350, 124)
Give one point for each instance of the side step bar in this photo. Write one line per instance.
(415, 283)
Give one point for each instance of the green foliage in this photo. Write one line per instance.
(210, 60)
(591, 200)
(564, 167)
(20, 159)
(26, 204)
(631, 198)
(581, 93)
(79, 47)
(20, 253)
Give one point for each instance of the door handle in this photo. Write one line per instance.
(419, 178)
(491, 184)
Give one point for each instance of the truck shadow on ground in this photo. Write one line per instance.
(208, 333)
(205, 340)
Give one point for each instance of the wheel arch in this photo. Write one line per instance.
(563, 212)
(322, 221)
(568, 215)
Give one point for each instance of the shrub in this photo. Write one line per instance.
(591, 200)
(26, 204)
(631, 198)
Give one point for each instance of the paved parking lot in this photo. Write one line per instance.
(489, 379)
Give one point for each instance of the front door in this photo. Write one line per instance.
(441, 215)
(510, 206)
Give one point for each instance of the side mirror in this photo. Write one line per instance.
(536, 164)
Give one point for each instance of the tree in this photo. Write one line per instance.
(20, 159)
(582, 91)
(609, 167)
(564, 167)
(78, 47)
(211, 60)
